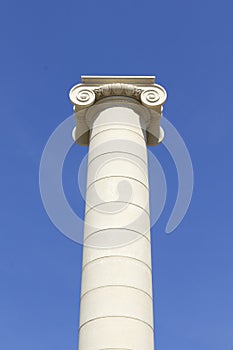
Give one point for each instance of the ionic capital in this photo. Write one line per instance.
(150, 95)
(140, 91)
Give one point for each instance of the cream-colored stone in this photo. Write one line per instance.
(117, 117)
(116, 333)
(138, 249)
(116, 301)
(139, 90)
(116, 271)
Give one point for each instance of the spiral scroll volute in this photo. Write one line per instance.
(82, 96)
(153, 97)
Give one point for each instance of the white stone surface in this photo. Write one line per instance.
(138, 250)
(141, 89)
(117, 117)
(116, 301)
(132, 273)
(116, 279)
(116, 333)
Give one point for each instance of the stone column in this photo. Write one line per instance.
(117, 117)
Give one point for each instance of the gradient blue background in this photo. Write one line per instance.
(45, 47)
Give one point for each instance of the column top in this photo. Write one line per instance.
(99, 79)
(141, 89)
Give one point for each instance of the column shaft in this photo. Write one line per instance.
(116, 310)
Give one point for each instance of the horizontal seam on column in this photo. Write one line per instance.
(117, 129)
(123, 202)
(116, 228)
(115, 286)
(115, 256)
(112, 316)
(115, 349)
(120, 176)
(111, 152)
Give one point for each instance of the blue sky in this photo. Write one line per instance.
(45, 47)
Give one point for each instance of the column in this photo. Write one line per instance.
(116, 308)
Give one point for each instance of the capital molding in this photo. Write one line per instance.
(141, 89)
(151, 95)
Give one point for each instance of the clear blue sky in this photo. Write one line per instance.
(45, 47)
